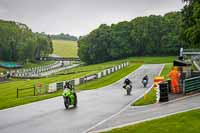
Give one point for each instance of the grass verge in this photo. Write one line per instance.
(187, 122)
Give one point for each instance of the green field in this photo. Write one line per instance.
(8, 90)
(151, 96)
(65, 48)
(187, 122)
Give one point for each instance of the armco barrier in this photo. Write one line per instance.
(191, 84)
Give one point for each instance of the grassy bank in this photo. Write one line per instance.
(65, 48)
(8, 90)
(188, 122)
(151, 96)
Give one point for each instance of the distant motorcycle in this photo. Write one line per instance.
(144, 82)
(70, 98)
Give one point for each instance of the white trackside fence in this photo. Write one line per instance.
(53, 87)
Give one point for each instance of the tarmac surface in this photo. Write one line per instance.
(94, 106)
(132, 115)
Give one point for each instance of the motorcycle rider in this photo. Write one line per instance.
(68, 86)
(145, 80)
(69, 91)
(127, 82)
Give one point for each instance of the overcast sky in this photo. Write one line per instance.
(79, 17)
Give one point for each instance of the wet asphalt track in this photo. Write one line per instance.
(50, 116)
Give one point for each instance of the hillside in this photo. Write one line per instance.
(65, 48)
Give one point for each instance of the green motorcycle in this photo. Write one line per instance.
(70, 98)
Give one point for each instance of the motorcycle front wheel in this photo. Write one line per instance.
(66, 102)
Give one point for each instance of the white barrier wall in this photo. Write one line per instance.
(77, 81)
(122, 66)
(99, 75)
(113, 69)
(108, 71)
(52, 88)
(116, 68)
(119, 66)
(90, 77)
(104, 72)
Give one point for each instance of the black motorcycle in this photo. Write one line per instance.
(128, 88)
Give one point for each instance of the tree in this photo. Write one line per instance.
(19, 43)
(191, 23)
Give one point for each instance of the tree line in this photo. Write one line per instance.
(63, 36)
(142, 36)
(19, 43)
(152, 35)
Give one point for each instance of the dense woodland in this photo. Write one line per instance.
(143, 36)
(63, 36)
(19, 43)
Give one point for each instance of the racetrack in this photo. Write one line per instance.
(94, 106)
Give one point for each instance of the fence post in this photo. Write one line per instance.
(34, 90)
(17, 92)
(183, 87)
